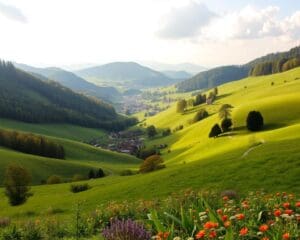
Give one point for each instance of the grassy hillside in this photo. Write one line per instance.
(242, 160)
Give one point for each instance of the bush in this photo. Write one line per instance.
(200, 115)
(54, 179)
(166, 132)
(16, 181)
(178, 128)
(181, 106)
(255, 121)
(226, 124)
(151, 131)
(100, 173)
(144, 153)
(91, 174)
(215, 131)
(75, 188)
(152, 163)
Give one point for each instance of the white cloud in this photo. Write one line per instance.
(12, 13)
(186, 21)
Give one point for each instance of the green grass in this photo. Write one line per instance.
(236, 161)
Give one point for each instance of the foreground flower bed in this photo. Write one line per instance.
(188, 215)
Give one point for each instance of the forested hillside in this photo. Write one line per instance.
(26, 98)
(72, 81)
(269, 64)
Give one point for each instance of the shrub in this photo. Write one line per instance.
(152, 163)
(78, 177)
(226, 124)
(178, 128)
(100, 173)
(91, 174)
(255, 121)
(144, 153)
(166, 132)
(200, 115)
(75, 188)
(125, 229)
(181, 105)
(54, 179)
(16, 181)
(215, 131)
(151, 131)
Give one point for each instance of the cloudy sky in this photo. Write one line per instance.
(204, 32)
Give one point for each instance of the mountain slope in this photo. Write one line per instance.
(72, 81)
(130, 73)
(177, 75)
(27, 98)
(220, 75)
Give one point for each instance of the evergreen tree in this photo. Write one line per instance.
(255, 121)
(215, 131)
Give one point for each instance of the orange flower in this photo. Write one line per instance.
(263, 228)
(166, 235)
(200, 234)
(212, 234)
(288, 211)
(219, 211)
(286, 205)
(277, 213)
(240, 216)
(286, 236)
(209, 225)
(225, 198)
(224, 218)
(297, 204)
(227, 224)
(243, 231)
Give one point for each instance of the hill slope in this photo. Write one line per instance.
(129, 73)
(220, 75)
(242, 160)
(27, 98)
(72, 81)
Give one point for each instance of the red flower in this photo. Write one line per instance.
(265, 238)
(209, 225)
(286, 205)
(200, 234)
(263, 228)
(212, 234)
(224, 218)
(288, 211)
(286, 236)
(219, 211)
(225, 198)
(243, 231)
(297, 204)
(240, 216)
(277, 213)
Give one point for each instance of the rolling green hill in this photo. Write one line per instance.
(240, 160)
(130, 74)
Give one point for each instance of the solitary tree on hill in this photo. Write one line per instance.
(215, 131)
(255, 121)
(181, 105)
(225, 111)
(151, 131)
(16, 183)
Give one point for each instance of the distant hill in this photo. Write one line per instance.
(72, 81)
(177, 75)
(130, 74)
(271, 63)
(187, 67)
(25, 97)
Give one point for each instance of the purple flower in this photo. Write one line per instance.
(125, 230)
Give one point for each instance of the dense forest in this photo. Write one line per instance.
(25, 97)
(32, 144)
(213, 77)
(269, 64)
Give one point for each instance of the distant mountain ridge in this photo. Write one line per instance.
(220, 75)
(27, 98)
(130, 73)
(177, 75)
(72, 81)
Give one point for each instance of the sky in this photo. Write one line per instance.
(204, 32)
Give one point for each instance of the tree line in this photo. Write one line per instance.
(24, 97)
(31, 144)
